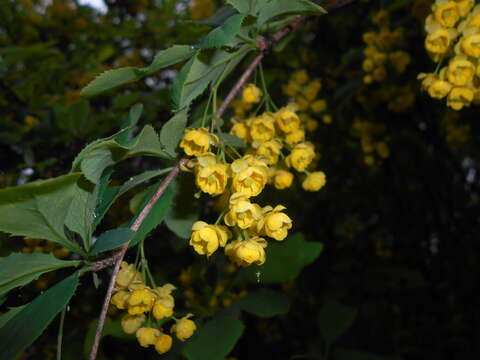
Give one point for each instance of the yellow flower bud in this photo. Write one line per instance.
(447, 14)
(206, 239)
(163, 343)
(301, 156)
(270, 150)
(140, 301)
(131, 323)
(241, 131)
(314, 181)
(439, 89)
(262, 128)
(163, 308)
(245, 253)
(251, 94)
(126, 275)
(120, 299)
(197, 141)
(275, 223)
(282, 179)
(147, 336)
(184, 328)
(327, 119)
(459, 97)
(242, 212)
(460, 71)
(287, 120)
(438, 41)
(319, 106)
(300, 77)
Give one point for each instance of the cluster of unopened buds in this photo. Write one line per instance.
(246, 177)
(382, 50)
(148, 310)
(373, 141)
(453, 39)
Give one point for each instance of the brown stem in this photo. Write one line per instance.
(118, 257)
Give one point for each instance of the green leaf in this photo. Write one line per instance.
(172, 131)
(128, 123)
(111, 79)
(265, 303)
(39, 209)
(156, 215)
(182, 227)
(111, 240)
(19, 269)
(231, 140)
(4, 318)
(285, 261)
(270, 9)
(168, 57)
(335, 319)
(193, 68)
(29, 323)
(249, 7)
(99, 155)
(223, 34)
(214, 340)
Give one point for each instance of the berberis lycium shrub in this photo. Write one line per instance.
(171, 167)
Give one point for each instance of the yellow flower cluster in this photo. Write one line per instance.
(397, 98)
(374, 143)
(44, 246)
(144, 305)
(304, 93)
(246, 222)
(381, 52)
(453, 34)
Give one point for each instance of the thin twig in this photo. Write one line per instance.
(60, 333)
(118, 257)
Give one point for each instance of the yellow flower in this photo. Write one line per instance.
(400, 60)
(242, 212)
(327, 119)
(369, 37)
(318, 106)
(184, 328)
(245, 253)
(471, 45)
(163, 343)
(140, 301)
(464, 6)
(211, 176)
(270, 150)
(301, 156)
(314, 181)
(197, 141)
(301, 103)
(126, 275)
(447, 14)
(367, 79)
(120, 299)
(312, 89)
(262, 128)
(382, 18)
(427, 80)
(275, 223)
(147, 336)
(311, 124)
(282, 179)
(439, 89)
(251, 94)
(163, 308)
(287, 120)
(291, 89)
(295, 137)
(206, 238)
(379, 74)
(368, 65)
(250, 175)
(459, 97)
(460, 71)
(438, 41)
(241, 131)
(300, 77)
(382, 149)
(131, 323)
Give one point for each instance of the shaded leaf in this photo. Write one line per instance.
(335, 319)
(111, 79)
(265, 303)
(111, 328)
(111, 239)
(4, 318)
(128, 123)
(269, 9)
(223, 34)
(285, 261)
(215, 339)
(168, 57)
(172, 131)
(29, 323)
